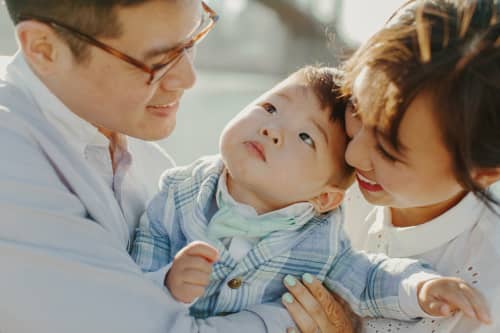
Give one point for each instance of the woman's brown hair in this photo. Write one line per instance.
(450, 48)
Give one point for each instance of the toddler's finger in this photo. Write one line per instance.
(202, 249)
(460, 302)
(196, 277)
(445, 310)
(479, 305)
(196, 263)
(434, 308)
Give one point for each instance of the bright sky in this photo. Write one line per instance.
(361, 18)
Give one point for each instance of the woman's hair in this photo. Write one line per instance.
(97, 18)
(450, 49)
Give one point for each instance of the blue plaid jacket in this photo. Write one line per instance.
(177, 216)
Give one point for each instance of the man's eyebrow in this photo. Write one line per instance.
(158, 51)
(154, 52)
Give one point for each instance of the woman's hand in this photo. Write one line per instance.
(314, 309)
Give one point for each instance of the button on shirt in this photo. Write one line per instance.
(463, 242)
(138, 165)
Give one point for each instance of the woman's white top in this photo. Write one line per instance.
(462, 242)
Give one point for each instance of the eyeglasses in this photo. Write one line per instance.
(157, 72)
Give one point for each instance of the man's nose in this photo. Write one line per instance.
(182, 75)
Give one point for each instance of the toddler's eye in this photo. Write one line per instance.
(269, 108)
(307, 139)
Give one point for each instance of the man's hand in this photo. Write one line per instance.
(443, 296)
(190, 272)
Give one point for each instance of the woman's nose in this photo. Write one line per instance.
(357, 153)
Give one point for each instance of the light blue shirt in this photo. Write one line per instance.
(373, 285)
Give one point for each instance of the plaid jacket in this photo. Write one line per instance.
(177, 216)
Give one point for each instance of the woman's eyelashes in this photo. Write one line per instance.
(385, 155)
(270, 108)
(306, 138)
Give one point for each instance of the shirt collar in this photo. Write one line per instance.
(78, 132)
(302, 211)
(416, 240)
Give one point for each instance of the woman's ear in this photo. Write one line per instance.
(328, 200)
(486, 176)
(39, 44)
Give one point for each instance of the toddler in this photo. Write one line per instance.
(270, 206)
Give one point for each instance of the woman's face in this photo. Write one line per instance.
(421, 176)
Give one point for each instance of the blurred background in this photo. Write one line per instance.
(255, 44)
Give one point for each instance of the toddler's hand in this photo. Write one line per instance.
(190, 271)
(443, 296)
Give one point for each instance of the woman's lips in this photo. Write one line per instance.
(368, 184)
(256, 149)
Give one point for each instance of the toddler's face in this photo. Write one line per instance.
(283, 148)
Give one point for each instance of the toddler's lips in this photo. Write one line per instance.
(256, 149)
(368, 184)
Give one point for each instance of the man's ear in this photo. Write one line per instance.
(328, 200)
(486, 176)
(39, 44)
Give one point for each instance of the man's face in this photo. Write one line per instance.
(283, 148)
(113, 94)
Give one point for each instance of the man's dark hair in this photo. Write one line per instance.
(97, 18)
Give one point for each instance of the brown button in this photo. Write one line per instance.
(234, 283)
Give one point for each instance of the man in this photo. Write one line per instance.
(91, 81)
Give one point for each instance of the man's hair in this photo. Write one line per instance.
(326, 83)
(97, 18)
(451, 49)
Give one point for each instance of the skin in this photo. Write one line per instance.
(417, 184)
(299, 152)
(105, 90)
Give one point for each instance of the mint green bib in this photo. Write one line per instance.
(229, 222)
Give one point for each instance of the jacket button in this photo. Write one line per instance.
(234, 283)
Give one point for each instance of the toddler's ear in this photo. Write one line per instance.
(328, 200)
(486, 176)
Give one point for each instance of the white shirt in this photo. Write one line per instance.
(462, 242)
(138, 165)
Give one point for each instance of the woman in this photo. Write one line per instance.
(424, 124)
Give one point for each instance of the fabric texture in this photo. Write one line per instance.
(177, 216)
(63, 235)
(463, 242)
